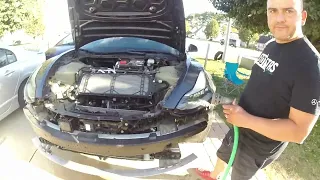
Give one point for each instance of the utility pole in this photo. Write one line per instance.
(226, 42)
(207, 56)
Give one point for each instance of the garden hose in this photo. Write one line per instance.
(233, 153)
(218, 99)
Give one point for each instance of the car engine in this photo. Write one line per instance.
(115, 83)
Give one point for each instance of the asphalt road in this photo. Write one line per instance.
(21, 160)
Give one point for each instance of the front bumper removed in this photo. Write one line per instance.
(136, 173)
(100, 145)
(114, 145)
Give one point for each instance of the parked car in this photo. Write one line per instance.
(232, 42)
(16, 65)
(128, 88)
(65, 44)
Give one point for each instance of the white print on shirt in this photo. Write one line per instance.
(266, 63)
(315, 102)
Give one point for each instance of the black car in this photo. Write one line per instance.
(127, 89)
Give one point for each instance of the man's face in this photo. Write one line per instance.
(285, 19)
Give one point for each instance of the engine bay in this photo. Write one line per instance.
(114, 95)
(115, 83)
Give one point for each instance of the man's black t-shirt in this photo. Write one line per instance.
(284, 76)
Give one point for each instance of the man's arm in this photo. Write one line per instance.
(304, 111)
(295, 129)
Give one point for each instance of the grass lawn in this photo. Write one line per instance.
(298, 161)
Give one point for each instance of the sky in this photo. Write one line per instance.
(197, 6)
(57, 18)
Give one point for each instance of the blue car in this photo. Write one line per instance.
(126, 88)
(63, 45)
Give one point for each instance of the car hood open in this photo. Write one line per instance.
(159, 20)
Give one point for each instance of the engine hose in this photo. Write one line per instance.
(233, 153)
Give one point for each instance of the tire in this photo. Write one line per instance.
(22, 102)
(218, 55)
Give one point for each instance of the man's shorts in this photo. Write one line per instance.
(245, 165)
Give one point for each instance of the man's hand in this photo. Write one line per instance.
(236, 115)
(294, 129)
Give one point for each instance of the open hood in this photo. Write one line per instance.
(158, 20)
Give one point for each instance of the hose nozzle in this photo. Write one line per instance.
(217, 99)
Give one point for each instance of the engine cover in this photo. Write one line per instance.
(117, 84)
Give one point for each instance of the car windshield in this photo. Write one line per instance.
(128, 44)
(68, 40)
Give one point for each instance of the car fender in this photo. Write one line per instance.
(48, 67)
(185, 83)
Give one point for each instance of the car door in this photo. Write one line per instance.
(9, 77)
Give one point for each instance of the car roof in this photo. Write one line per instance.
(18, 51)
(11, 48)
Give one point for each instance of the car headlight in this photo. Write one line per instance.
(30, 88)
(198, 96)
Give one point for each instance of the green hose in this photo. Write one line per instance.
(234, 152)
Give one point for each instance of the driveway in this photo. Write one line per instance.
(20, 159)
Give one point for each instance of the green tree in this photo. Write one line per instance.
(188, 28)
(223, 30)
(234, 30)
(12, 15)
(19, 14)
(34, 25)
(199, 20)
(248, 36)
(252, 14)
(212, 29)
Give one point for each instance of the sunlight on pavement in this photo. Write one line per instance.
(17, 169)
(12, 168)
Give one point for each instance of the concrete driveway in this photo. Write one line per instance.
(20, 159)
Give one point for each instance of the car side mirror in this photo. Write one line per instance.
(192, 48)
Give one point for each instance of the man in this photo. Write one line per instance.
(280, 103)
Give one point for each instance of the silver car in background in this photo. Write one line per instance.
(16, 65)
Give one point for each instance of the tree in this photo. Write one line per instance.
(188, 28)
(12, 14)
(17, 14)
(252, 14)
(34, 25)
(212, 29)
(198, 21)
(234, 30)
(248, 36)
(223, 30)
